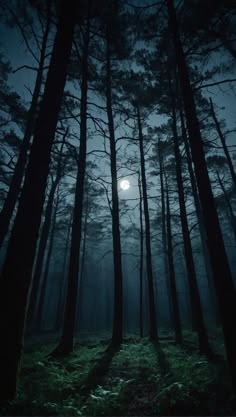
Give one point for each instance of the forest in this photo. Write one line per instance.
(117, 207)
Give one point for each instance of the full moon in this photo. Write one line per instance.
(124, 184)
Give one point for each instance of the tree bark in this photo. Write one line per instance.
(172, 278)
(17, 269)
(82, 269)
(66, 342)
(62, 291)
(117, 262)
(163, 231)
(195, 301)
(221, 271)
(152, 308)
(200, 220)
(39, 309)
(43, 238)
(141, 258)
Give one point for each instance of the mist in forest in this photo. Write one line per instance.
(117, 199)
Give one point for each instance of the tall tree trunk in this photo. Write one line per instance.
(40, 255)
(152, 308)
(172, 278)
(61, 298)
(66, 342)
(44, 238)
(200, 220)
(222, 275)
(39, 309)
(141, 258)
(17, 269)
(163, 232)
(195, 301)
(14, 189)
(82, 269)
(222, 139)
(118, 285)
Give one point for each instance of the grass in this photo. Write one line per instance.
(139, 379)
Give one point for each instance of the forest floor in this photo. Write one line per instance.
(138, 379)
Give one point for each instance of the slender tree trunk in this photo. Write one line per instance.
(118, 285)
(14, 189)
(163, 230)
(66, 343)
(39, 310)
(200, 220)
(141, 258)
(152, 307)
(43, 239)
(221, 271)
(172, 278)
(197, 314)
(222, 139)
(82, 269)
(61, 298)
(40, 254)
(17, 269)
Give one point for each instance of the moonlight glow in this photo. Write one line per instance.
(124, 184)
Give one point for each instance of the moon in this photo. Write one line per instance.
(124, 184)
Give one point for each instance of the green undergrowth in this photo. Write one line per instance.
(140, 378)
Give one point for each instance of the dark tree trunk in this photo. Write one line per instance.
(221, 271)
(152, 307)
(82, 269)
(62, 291)
(17, 269)
(14, 189)
(40, 254)
(118, 285)
(163, 230)
(172, 278)
(141, 258)
(195, 301)
(222, 139)
(66, 343)
(39, 309)
(200, 220)
(43, 240)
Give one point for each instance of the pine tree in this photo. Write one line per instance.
(221, 271)
(17, 269)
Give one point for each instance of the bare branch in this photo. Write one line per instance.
(230, 80)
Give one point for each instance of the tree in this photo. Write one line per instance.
(166, 261)
(17, 269)
(42, 292)
(141, 257)
(14, 189)
(152, 309)
(221, 271)
(66, 342)
(199, 215)
(45, 232)
(113, 37)
(172, 278)
(118, 291)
